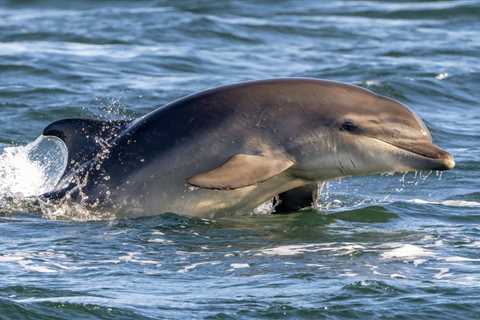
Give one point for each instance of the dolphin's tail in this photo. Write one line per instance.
(84, 138)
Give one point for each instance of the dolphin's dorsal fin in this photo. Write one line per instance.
(84, 138)
(240, 171)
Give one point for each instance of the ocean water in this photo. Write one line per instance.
(380, 247)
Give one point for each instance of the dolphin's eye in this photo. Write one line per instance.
(349, 126)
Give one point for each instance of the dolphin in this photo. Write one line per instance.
(227, 150)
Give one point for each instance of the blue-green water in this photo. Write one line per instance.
(390, 247)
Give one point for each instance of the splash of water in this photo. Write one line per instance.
(354, 193)
(30, 170)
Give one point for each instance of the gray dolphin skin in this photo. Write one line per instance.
(227, 150)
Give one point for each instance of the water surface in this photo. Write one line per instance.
(392, 247)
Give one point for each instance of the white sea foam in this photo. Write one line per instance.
(11, 258)
(417, 262)
(153, 262)
(128, 257)
(160, 240)
(195, 265)
(449, 203)
(83, 49)
(460, 259)
(290, 250)
(317, 265)
(442, 273)
(41, 269)
(26, 260)
(407, 252)
(474, 244)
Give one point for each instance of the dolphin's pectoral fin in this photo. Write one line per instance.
(296, 199)
(239, 171)
(84, 138)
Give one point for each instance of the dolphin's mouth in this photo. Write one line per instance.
(441, 159)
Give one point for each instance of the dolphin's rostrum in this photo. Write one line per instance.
(229, 149)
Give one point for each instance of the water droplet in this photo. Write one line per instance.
(442, 76)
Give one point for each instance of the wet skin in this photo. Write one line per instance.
(229, 149)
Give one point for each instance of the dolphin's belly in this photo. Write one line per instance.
(195, 203)
(212, 203)
(174, 195)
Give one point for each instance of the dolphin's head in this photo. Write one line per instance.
(358, 132)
